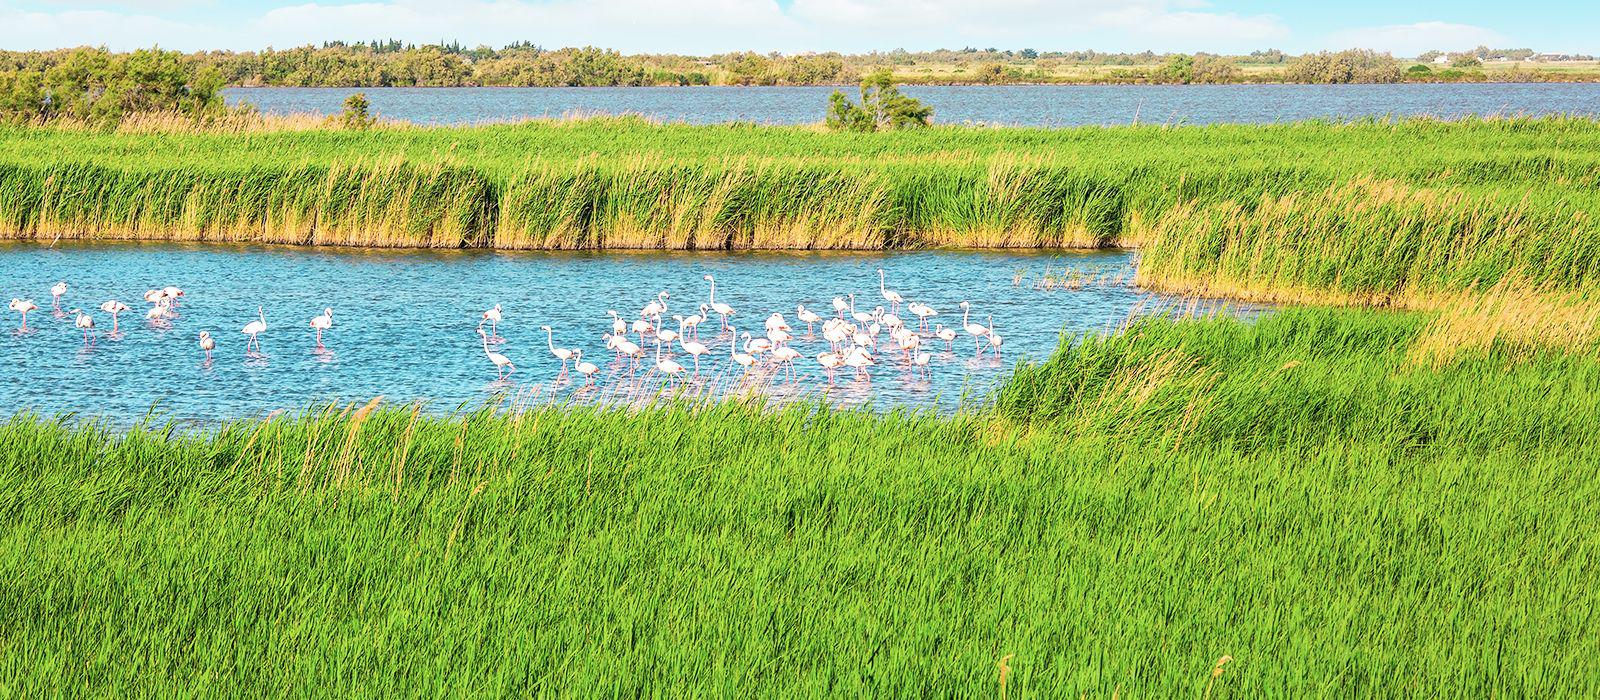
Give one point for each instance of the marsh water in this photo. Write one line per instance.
(405, 323)
(1033, 105)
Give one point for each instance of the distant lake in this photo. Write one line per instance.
(1036, 105)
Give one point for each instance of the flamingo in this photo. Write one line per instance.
(948, 335)
(85, 323)
(642, 327)
(691, 324)
(253, 329)
(743, 359)
(668, 367)
(809, 316)
(587, 369)
(757, 346)
(618, 326)
(994, 339)
(669, 336)
(502, 364)
(786, 356)
(889, 295)
(923, 312)
(840, 307)
(696, 348)
(919, 361)
(23, 306)
(56, 292)
(656, 308)
(830, 362)
(861, 317)
(114, 307)
(562, 354)
(623, 346)
(722, 309)
(861, 360)
(157, 312)
(207, 344)
(172, 294)
(977, 331)
(322, 323)
(492, 317)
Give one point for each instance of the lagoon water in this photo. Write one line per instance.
(404, 321)
(1034, 105)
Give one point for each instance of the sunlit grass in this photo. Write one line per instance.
(1293, 493)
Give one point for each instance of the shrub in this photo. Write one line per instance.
(882, 107)
(356, 112)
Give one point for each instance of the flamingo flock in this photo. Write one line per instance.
(853, 339)
(164, 303)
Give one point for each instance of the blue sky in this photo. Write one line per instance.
(711, 26)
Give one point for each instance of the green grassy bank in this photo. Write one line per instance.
(624, 183)
(1298, 493)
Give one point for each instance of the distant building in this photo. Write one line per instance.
(1441, 60)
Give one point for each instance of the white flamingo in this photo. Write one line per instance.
(628, 348)
(994, 339)
(668, 367)
(744, 360)
(722, 309)
(85, 323)
(809, 316)
(977, 331)
(840, 306)
(948, 335)
(23, 306)
(114, 307)
(786, 356)
(829, 362)
(492, 317)
(56, 292)
(655, 308)
(562, 354)
(322, 323)
(207, 344)
(861, 317)
(860, 359)
(696, 348)
(253, 329)
(502, 364)
(919, 361)
(923, 312)
(889, 295)
(618, 326)
(587, 369)
(172, 294)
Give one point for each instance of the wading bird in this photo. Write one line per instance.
(696, 348)
(114, 307)
(207, 344)
(994, 339)
(722, 309)
(491, 317)
(322, 323)
(809, 316)
(56, 292)
(253, 329)
(830, 362)
(85, 323)
(889, 295)
(502, 364)
(744, 360)
(666, 366)
(562, 354)
(23, 306)
(587, 369)
(977, 331)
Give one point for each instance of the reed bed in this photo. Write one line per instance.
(1293, 493)
(629, 183)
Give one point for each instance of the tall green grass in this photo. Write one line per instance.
(626, 183)
(1295, 493)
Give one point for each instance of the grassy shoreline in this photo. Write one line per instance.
(1296, 493)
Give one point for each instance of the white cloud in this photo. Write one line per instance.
(683, 26)
(1412, 39)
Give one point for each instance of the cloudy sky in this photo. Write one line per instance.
(1405, 27)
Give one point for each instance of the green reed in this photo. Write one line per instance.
(1294, 492)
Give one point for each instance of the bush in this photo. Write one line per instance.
(356, 112)
(882, 108)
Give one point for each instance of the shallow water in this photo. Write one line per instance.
(405, 323)
(1034, 105)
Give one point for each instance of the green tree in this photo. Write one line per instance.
(357, 112)
(883, 107)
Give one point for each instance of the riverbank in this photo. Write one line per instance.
(1372, 210)
(1296, 494)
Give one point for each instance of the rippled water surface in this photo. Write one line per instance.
(1039, 105)
(404, 322)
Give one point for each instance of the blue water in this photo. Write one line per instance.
(404, 323)
(1038, 105)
